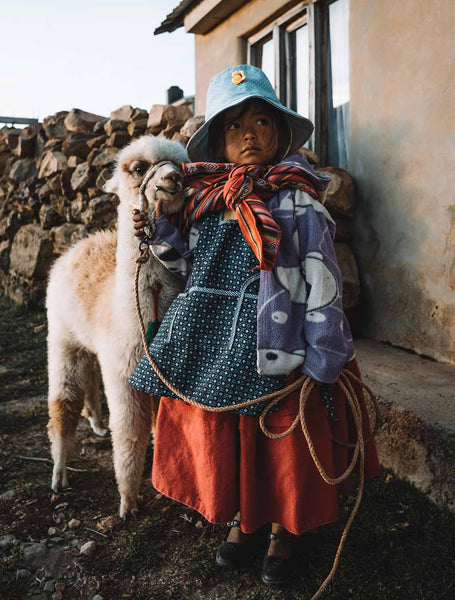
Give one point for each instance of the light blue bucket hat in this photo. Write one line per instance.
(232, 87)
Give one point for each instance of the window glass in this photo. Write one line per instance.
(302, 67)
(338, 83)
(265, 59)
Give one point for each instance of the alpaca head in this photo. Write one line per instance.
(138, 164)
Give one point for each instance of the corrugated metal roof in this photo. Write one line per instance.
(174, 20)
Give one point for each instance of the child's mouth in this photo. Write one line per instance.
(251, 149)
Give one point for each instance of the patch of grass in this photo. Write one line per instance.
(17, 421)
(23, 361)
(400, 546)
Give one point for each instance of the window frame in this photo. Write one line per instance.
(277, 31)
(317, 20)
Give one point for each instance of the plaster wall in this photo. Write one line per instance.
(402, 115)
(224, 46)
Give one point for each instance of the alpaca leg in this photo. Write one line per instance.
(67, 373)
(155, 403)
(129, 421)
(92, 406)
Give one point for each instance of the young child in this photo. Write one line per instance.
(262, 306)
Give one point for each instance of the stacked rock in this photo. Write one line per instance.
(51, 184)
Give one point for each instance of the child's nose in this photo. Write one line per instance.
(250, 133)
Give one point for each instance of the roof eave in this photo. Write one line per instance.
(174, 19)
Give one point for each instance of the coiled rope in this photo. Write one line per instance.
(306, 385)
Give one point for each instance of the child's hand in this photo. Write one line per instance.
(140, 220)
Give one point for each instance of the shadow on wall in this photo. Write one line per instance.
(396, 247)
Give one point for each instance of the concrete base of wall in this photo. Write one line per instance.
(416, 396)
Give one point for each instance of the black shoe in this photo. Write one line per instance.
(230, 554)
(277, 570)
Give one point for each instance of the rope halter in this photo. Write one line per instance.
(150, 173)
(143, 202)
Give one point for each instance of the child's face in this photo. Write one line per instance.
(251, 135)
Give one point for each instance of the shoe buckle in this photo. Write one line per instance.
(233, 523)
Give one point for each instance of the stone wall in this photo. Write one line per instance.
(51, 191)
(51, 184)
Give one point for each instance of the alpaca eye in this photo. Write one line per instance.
(139, 169)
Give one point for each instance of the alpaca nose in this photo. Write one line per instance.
(170, 182)
(174, 179)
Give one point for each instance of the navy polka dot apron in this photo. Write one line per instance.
(206, 344)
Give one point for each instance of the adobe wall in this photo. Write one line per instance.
(401, 114)
(222, 47)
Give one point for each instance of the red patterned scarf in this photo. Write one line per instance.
(244, 189)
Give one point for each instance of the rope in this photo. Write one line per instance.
(306, 385)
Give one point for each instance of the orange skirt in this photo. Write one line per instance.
(219, 463)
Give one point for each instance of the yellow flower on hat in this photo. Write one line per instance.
(238, 77)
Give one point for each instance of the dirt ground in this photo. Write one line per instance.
(400, 546)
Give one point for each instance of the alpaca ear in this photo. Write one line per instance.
(111, 186)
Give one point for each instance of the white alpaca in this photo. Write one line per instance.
(92, 320)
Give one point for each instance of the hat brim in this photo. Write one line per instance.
(301, 128)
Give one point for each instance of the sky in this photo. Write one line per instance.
(96, 55)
